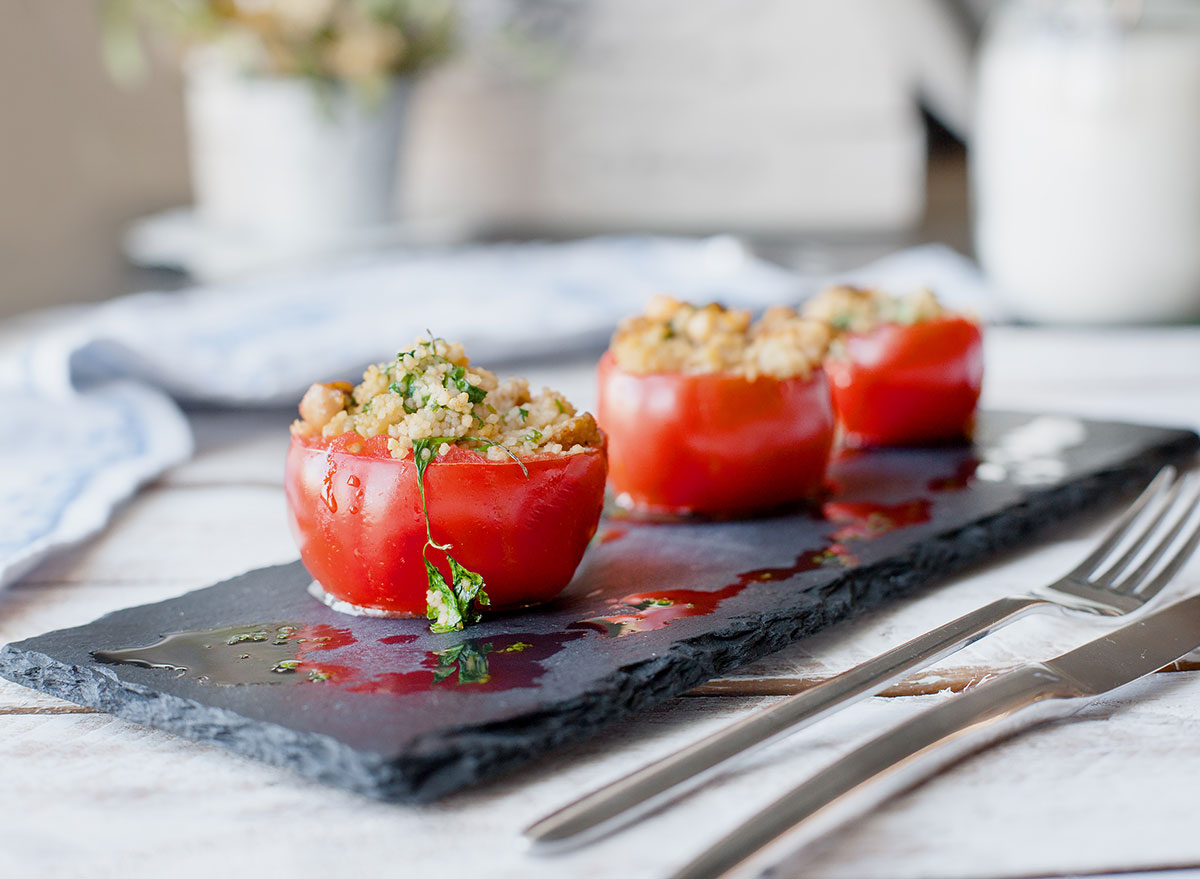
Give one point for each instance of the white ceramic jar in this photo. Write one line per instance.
(274, 159)
(1085, 160)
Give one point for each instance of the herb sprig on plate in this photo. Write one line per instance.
(450, 606)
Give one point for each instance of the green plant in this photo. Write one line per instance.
(361, 41)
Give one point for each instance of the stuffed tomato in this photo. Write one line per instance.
(708, 413)
(357, 518)
(433, 490)
(902, 371)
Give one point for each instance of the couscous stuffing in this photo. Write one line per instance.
(674, 336)
(858, 310)
(432, 390)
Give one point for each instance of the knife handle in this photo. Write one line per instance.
(640, 792)
(891, 763)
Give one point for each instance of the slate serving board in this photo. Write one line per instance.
(385, 708)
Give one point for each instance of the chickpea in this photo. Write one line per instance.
(323, 401)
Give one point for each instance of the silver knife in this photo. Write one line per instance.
(921, 747)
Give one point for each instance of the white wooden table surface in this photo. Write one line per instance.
(1110, 791)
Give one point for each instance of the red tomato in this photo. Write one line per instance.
(355, 512)
(713, 443)
(908, 384)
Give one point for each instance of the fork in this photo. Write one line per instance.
(1098, 586)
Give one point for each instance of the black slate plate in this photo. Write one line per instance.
(386, 708)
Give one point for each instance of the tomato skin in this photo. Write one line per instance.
(908, 384)
(713, 443)
(357, 520)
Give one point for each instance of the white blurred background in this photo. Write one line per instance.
(155, 143)
(801, 125)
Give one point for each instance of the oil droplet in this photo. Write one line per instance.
(859, 521)
(648, 611)
(292, 653)
(258, 653)
(866, 521)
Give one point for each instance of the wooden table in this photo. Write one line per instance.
(1109, 791)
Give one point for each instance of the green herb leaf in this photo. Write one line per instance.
(558, 405)
(441, 605)
(447, 663)
(424, 451)
(403, 386)
(524, 414)
(468, 588)
(473, 665)
(452, 606)
(469, 661)
(458, 378)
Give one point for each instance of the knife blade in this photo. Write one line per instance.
(920, 747)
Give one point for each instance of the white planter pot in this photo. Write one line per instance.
(275, 160)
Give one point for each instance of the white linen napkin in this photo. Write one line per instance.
(91, 398)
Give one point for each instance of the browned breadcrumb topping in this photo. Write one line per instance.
(849, 309)
(433, 390)
(674, 336)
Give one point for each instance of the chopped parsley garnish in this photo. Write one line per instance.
(450, 606)
(533, 437)
(458, 378)
(524, 415)
(403, 389)
(559, 406)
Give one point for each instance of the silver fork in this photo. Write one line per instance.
(1098, 585)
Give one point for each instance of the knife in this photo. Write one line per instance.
(919, 748)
